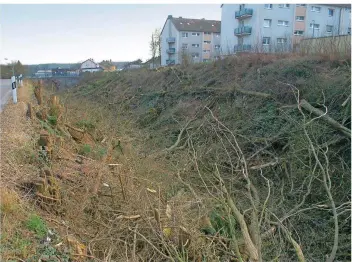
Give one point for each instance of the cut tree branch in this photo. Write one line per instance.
(304, 104)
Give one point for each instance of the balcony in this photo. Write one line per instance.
(170, 62)
(244, 13)
(171, 51)
(171, 40)
(242, 48)
(244, 30)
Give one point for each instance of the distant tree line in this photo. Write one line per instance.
(6, 71)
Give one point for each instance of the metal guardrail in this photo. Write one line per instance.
(242, 48)
(244, 30)
(171, 39)
(171, 51)
(246, 12)
(170, 62)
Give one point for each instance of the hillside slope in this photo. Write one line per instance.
(244, 134)
(244, 159)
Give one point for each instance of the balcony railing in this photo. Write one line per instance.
(171, 39)
(242, 48)
(246, 12)
(171, 51)
(244, 30)
(170, 62)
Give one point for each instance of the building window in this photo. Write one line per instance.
(217, 46)
(298, 32)
(184, 34)
(349, 30)
(195, 55)
(206, 51)
(282, 23)
(207, 42)
(184, 46)
(282, 41)
(267, 22)
(329, 28)
(207, 33)
(284, 5)
(195, 45)
(268, 6)
(299, 18)
(195, 34)
(331, 12)
(315, 26)
(315, 9)
(266, 40)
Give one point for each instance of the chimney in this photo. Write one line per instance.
(169, 16)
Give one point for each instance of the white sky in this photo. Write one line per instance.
(66, 33)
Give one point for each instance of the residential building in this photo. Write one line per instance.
(90, 66)
(279, 27)
(59, 71)
(43, 73)
(107, 65)
(194, 40)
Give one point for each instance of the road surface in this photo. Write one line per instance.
(5, 92)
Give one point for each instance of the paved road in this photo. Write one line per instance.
(5, 92)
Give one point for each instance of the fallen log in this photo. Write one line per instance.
(304, 104)
(76, 133)
(179, 137)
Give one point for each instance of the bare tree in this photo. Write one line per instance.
(155, 46)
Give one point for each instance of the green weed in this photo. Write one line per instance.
(37, 225)
(85, 149)
(52, 120)
(86, 124)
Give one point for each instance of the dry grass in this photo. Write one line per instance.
(140, 186)
(145, 206)
(175, 94)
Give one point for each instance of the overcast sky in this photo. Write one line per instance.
(72, 33)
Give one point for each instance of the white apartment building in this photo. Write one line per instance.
(278, 27)
(195, 39)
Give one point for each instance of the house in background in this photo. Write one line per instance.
(43, 73)
(136, 64)
(279, 27)
(197, 40)
(60, 71)
(107, 65)
(90, 66)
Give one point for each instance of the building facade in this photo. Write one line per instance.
(194, 40)
(90, 66)
(43, 73)
(279, 27)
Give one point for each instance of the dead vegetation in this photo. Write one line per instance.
(245, 159)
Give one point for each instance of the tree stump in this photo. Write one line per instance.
(30, 111)
(38, 94)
